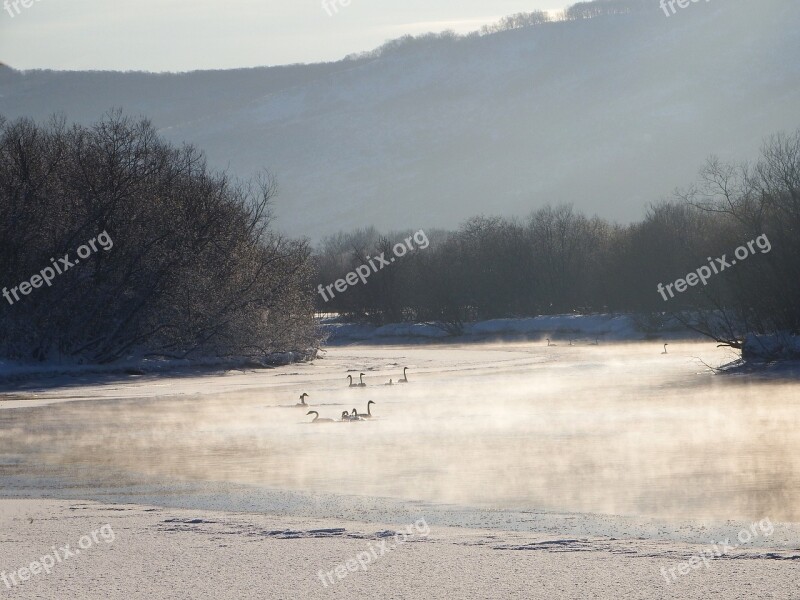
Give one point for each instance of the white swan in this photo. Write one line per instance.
(368, 414)
(317, 419)
(303, 400)
(350, 377)
(548, 343)
(665, 349)
(361, 379)
(405, 378)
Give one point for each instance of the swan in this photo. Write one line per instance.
(346, 416)
(665, 349)
(390, 383)
(548, 343)
(361, 379)
(368, 414)
(405, 377)
(350, 377)
(303, 400)
(317, 419)
(355, 416)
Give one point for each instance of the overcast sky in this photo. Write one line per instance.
(182, 35)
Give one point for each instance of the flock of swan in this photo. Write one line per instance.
(354, 415)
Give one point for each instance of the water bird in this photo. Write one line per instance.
(390, 383)
(317, 419)
(355, 416)
(361, 379)
(303, 400)
(665, 349)
(368, 414)
(548, 343)
(405, 378)
(350, 377)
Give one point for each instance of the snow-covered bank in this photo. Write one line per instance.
(783, 346)
(171, 553)
(775, 356)
(13, 371)
(575, 328)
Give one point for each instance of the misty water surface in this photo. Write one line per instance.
(614, 428)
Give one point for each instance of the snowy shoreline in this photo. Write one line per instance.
(569, 329)
(16, 372)
(580, 329)
(188, 553)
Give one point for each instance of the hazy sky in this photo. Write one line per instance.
(181, 35)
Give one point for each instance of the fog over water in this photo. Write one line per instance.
(615, 428)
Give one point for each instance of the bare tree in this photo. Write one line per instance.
(195, 268)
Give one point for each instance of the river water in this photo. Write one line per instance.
(617, 429)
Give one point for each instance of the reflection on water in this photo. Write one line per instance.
(613, 429)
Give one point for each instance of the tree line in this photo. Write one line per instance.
(195, 270)
(576, 12)
(190, 266)
(558, 261)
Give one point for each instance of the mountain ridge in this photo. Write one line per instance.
(609, 114)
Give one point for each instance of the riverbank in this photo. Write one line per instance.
(149, 551)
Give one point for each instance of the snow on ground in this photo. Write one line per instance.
(150, 552)
(605, 327)
(783, 346)
(580, 328)
(11, 371)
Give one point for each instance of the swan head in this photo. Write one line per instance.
(304, 395)
(370, 402)
(312, 412)
(354, 411)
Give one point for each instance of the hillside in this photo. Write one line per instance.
(608, 113)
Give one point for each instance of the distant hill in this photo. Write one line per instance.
(609, 113)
